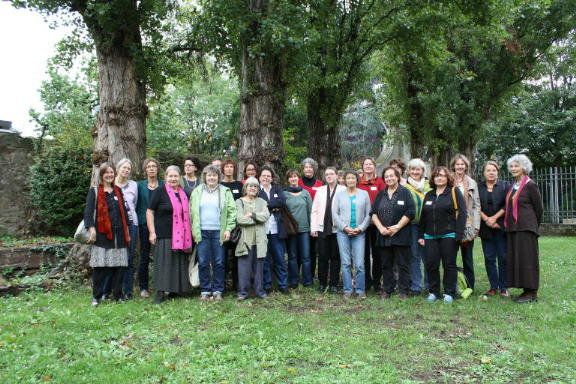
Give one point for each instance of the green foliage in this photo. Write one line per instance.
(306, 337)
(59, 181)
(8, 241)
(69, 107)
(198, 116)
(293, 153)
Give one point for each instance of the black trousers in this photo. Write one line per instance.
(328, 260)
(99, 277)
(444, 250)
(389, 256)
(372, 259)
(467, 250)
(314, 255)
(230, 266)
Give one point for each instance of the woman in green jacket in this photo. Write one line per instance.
(253, 244)
(212, 218)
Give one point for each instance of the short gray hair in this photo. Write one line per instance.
(250, 181)
(310, 161)
(523, 161)
(122, 162)
(417, 163)
(211, 169)
(174, 168)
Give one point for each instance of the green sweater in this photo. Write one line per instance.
(300, 207)
(253, 227)
(227, 212)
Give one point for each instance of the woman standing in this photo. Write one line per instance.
(299, 203)
(250, 170)
(351, 214)
(309, 181)
(213, 217)
(235, 186)
(418, 187)
(372, 184)
(190, 180)
(275, 230)
(130, 191)
(322, 227)
(493, 204)
(145, 190)
(169, 228)
(441, 227)
(521, 221)
(460, 165)
(391, 213)
(399, 165)
(107, 220)
(253, 244)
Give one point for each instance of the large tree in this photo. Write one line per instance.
(115, 29)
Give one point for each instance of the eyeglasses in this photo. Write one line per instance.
(189, 165)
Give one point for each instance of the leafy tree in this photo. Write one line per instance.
(125, 66)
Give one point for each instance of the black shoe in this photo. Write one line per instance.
(293, 286)
(525, 299)
(128, 297)
(377, 289)
(414, 293)
(333, 289)
(285, 291)
(159, 298)
(321, 288)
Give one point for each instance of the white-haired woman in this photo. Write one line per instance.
(213, 217)
(418, 187)
(252, 215)
(522, 218)
(460, 165)
(130, 190)
(169, 230)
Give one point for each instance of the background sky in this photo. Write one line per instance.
(26, 43)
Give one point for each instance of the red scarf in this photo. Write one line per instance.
(523, 183)
(104, 223)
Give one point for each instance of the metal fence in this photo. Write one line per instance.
(558, 188)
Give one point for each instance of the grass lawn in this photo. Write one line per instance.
(305, 338)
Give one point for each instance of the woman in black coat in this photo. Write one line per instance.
(392, 211)
(106, 217)
(521, 222)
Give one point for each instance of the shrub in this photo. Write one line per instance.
(59, 181)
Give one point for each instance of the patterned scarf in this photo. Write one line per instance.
(104, 223)
(181, 233)
(525, 180)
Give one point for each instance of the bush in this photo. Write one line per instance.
(59, 181)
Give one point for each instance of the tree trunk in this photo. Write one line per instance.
(262, 101)
(324, 118)
(120, 130)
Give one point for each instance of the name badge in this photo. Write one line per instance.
(315, 188)
(116, 198)
(373, 188)
(428, 203)
(235, 191)
(400, 202)
(276, 195)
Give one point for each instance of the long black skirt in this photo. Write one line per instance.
(522, 261)
(170, 268)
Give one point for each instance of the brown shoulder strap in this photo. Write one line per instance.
(454, 200)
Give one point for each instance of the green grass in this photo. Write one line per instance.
(306, 338)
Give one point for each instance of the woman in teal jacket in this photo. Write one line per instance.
(212, 218)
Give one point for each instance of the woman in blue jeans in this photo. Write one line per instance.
(492, 208)
(351, 215)
(299, 204)
(213, 217)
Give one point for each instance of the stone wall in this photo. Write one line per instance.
(565, 230)
(15, 161)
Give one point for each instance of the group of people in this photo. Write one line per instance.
(372, 232)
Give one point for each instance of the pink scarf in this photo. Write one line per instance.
(523, 183)
(181, 233)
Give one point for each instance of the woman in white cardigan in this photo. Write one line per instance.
(322, 227)
(351, 214)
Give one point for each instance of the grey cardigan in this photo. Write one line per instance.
(341, 209)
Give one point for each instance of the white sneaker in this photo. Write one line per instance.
(448, 299)
(431, 298)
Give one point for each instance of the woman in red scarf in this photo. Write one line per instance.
(521, 221)
(106, 218)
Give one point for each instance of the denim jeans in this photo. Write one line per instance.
(416, 260)
(211, 256)
(144, 257)
(495, 251)
(299, 247)
(352, 247)
(127, 273)
(467, 250)
(275, 259)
